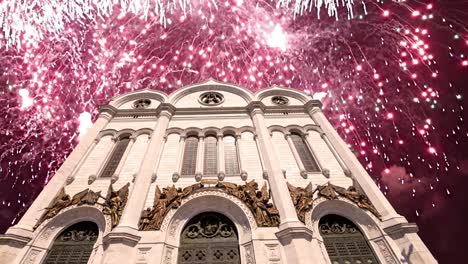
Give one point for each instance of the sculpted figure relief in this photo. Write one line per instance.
(302, 199)
(113, 203)
(331, 192)
(256, 200)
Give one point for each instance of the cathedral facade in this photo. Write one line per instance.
(212, 173)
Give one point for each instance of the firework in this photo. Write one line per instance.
(373, 65)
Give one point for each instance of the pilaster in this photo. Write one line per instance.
(25, 226)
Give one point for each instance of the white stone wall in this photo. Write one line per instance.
(257, 244)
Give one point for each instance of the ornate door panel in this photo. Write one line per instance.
(74, 245)
(209, 238)
(344, 242)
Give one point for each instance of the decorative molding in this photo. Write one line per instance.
(326, 172)
(32, 256)
(221, 175)
(244, 175)
(198, 176)
(143, 253)
(91, 178)
(264, 212)
(175, 176)
(69, 179)
(273, 252)
(385, 251)
(249, 254)
(168, 255)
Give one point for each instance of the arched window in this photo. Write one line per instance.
(116, 156)
(344, 241)
(74, 245)
(209, 238)
(189, 161)
(230, 156)
(305, 154)
(210, 165)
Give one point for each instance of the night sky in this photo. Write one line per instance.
(393, 81)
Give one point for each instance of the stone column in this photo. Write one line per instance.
(293, 235)
(200, 158)
(221, 165)
(243, 173)
(359, 173)
(302, 169)
(335, 154)
(72, 175)
(262, 163)
(123, 238)
(179, 160)
(116, 174)
(137, 198)
(47, 195)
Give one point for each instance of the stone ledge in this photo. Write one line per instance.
(14, 240)
(127, 236)
(401, 229)
(289, 231)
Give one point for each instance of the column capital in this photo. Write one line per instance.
(256, 107)
(107, 111)
(313, 105)
(166, 109)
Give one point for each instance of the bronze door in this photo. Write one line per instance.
(74, 245)
(209, 238)
(344, 242)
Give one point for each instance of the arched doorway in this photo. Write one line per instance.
(74, 245)
(344, 242)
(209, 238)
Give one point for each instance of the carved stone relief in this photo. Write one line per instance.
(249, 254)
(387, 254)
(113, 204)
(256, 200)
(332, 192)
(143, 253)
(273, 253)
(302, 199)
(168, 256)
(32, 256)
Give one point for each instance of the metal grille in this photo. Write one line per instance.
(210, 166)
(230, 156)
(304, 153)
(74, 245)
(190, 156)
(209, 238)
(344, 242)
(115, 157)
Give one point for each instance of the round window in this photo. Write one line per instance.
(211, 98)
(279, 100)
(142, 103)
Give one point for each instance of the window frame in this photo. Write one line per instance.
(310, 153)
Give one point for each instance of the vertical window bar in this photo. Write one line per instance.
(210, 165)
(305, 154)
(189, 161)
(230, 156)
(115, 157)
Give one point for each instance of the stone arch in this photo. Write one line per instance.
(276, 128)
(145, 93)
(193, 131)
(208, 201)
(107, 132)
(208, 86)
(247, 129)
(229, 131)
(50, 229)
(210, 131)
(174, 130)
(296, 129)
(125, 132)
(288, 92)
(143, 131)
(313, 128)
(367, 223)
